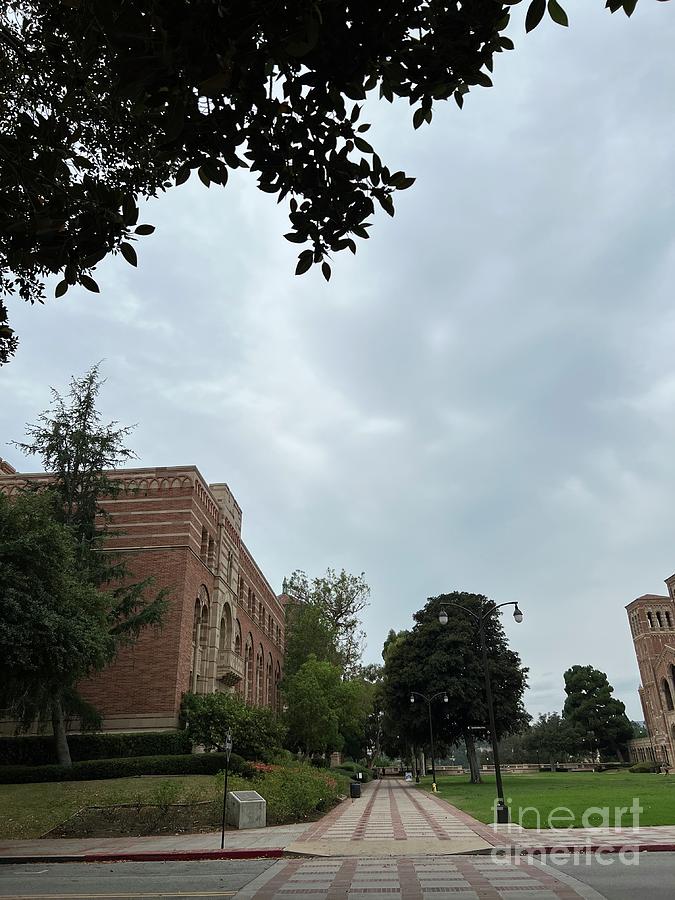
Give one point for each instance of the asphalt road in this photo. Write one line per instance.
(199, 880)
(653, 878)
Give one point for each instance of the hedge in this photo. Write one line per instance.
(351, 770)
(298, 792)
(37, 750)
(643, 767)
(95, 769)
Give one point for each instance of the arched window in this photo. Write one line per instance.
(667, 694)
(225, 637)
(277, 691)
(200, 641)
(268, 682)
(237, 637)
(669, 621)
(260, 676)
(248, 669)
(658, 618)
(650, 619)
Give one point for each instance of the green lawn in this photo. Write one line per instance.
(577, 792)
(29, 810)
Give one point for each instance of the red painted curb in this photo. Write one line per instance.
(149, 856)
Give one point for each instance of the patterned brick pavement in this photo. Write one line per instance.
(392, 810)
(444, 878)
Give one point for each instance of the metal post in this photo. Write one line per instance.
(228, 750)
(502, 809)
(433, 759)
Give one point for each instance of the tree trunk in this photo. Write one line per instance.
(474, 766)
(60, 739)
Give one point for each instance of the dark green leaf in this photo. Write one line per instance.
(89, 284)
(418, 117)
(204, 178)
(145, 229)
(405, 183)
(483, 80)
(535, 14)
(304, 262)
(362, 145)
(387, 204)
(325, 269)
(61, 288)
(295, 237)
(182, 174)
(129, 253)
(557, 13)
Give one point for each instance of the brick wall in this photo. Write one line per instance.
(171, 526)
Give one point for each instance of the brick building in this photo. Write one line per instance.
(224, 630)
(652, 624)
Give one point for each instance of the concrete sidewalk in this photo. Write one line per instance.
(254, 842)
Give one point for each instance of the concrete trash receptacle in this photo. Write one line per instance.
(246, 809)
(354, 790)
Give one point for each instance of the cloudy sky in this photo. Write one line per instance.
(482, 399)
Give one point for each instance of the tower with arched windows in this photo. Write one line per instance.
(652, 623)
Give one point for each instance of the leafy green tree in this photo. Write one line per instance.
(595, 713)
(338, 598)
(553, 739)
(434, 658)
(55, 626)
(106, 101)
(78, 452)
(358, 723)
(315, 699)
(257, 733)
(308, 633)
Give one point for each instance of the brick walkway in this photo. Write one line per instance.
(391, 818)
(445, 878)
(393, 810)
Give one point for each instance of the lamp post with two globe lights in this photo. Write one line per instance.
(488, 608)
(428, 700)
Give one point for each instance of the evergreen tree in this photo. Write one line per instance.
(78, 452)
(595, 713)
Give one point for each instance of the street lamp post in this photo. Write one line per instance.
(487, 610)
(443, 694)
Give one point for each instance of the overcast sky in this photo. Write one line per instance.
(482, 399)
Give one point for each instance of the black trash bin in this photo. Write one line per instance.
(355, 790)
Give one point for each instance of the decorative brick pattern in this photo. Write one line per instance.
(394, 810)
(432, 878)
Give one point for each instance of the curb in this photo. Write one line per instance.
(147, 856)
(515, 850)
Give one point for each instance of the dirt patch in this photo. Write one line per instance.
(138, 821)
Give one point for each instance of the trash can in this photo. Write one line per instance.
(355, 790)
